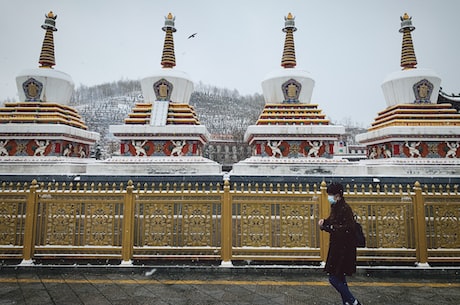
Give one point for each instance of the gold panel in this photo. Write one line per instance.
(197, 219)
(443, 222)
(387, 220)
(11, 220)
(391, 226)
(158, 224)
(254, 222)
(298, 225)
(79, 219)
(255, 225)
(99, 220)
(60, 224)
(178, 218)
(447, 222)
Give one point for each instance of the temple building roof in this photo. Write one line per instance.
(453, 99)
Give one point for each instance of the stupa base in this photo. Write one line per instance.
(187, 165)
(394, 167)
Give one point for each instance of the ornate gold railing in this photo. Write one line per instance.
(222, 222)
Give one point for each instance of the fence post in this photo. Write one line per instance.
(128, 226)
(420, 226)
(324, 210)
(30, 227)
(226, 227)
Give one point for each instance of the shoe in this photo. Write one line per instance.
(356, 302)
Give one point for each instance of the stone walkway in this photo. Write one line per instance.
(224, 286)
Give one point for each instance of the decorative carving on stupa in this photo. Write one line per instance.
(163, 90)
(32, 89)
(423, 90)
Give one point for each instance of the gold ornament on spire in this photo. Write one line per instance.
(288, 60)
(408, 59)
(47, 59)
(168, 59)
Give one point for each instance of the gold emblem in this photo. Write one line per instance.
(32, 89)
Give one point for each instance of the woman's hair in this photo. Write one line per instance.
(335, 188)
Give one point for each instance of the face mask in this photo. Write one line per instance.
(331, 199)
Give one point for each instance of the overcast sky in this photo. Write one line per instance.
(349, 47)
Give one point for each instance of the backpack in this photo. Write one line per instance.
(359, 236)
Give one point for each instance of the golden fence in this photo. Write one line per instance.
(222, 222)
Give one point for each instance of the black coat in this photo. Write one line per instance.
(341, 257)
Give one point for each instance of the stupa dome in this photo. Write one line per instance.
(276, 86)
(45, 85)
(179, 84)
(411, 86)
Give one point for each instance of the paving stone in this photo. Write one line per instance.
(215, 286)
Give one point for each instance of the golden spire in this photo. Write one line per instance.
(168, 59)
(47, 54)
(288, 59)
(408, 59)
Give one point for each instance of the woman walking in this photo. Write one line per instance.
(341, 257)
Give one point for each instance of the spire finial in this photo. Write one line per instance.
(408, 59)
(288, 60)
(168, 59)
(47, 53)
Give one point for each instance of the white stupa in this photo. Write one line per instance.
(414, 135)
(292, 135)
(162, 135)
(42, 133)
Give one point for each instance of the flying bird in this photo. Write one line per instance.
(192, 36)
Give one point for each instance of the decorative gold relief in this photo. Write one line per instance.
(197, 224)
(99, 224)
(387, 221)
(255, 225)
(294, 226)
(8, 212)
(447, 226)
(60, 224)
(391, 226)
(267, 222)
(158, 224)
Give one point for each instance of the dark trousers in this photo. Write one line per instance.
(339, 282)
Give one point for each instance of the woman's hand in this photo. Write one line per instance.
(320, 222)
